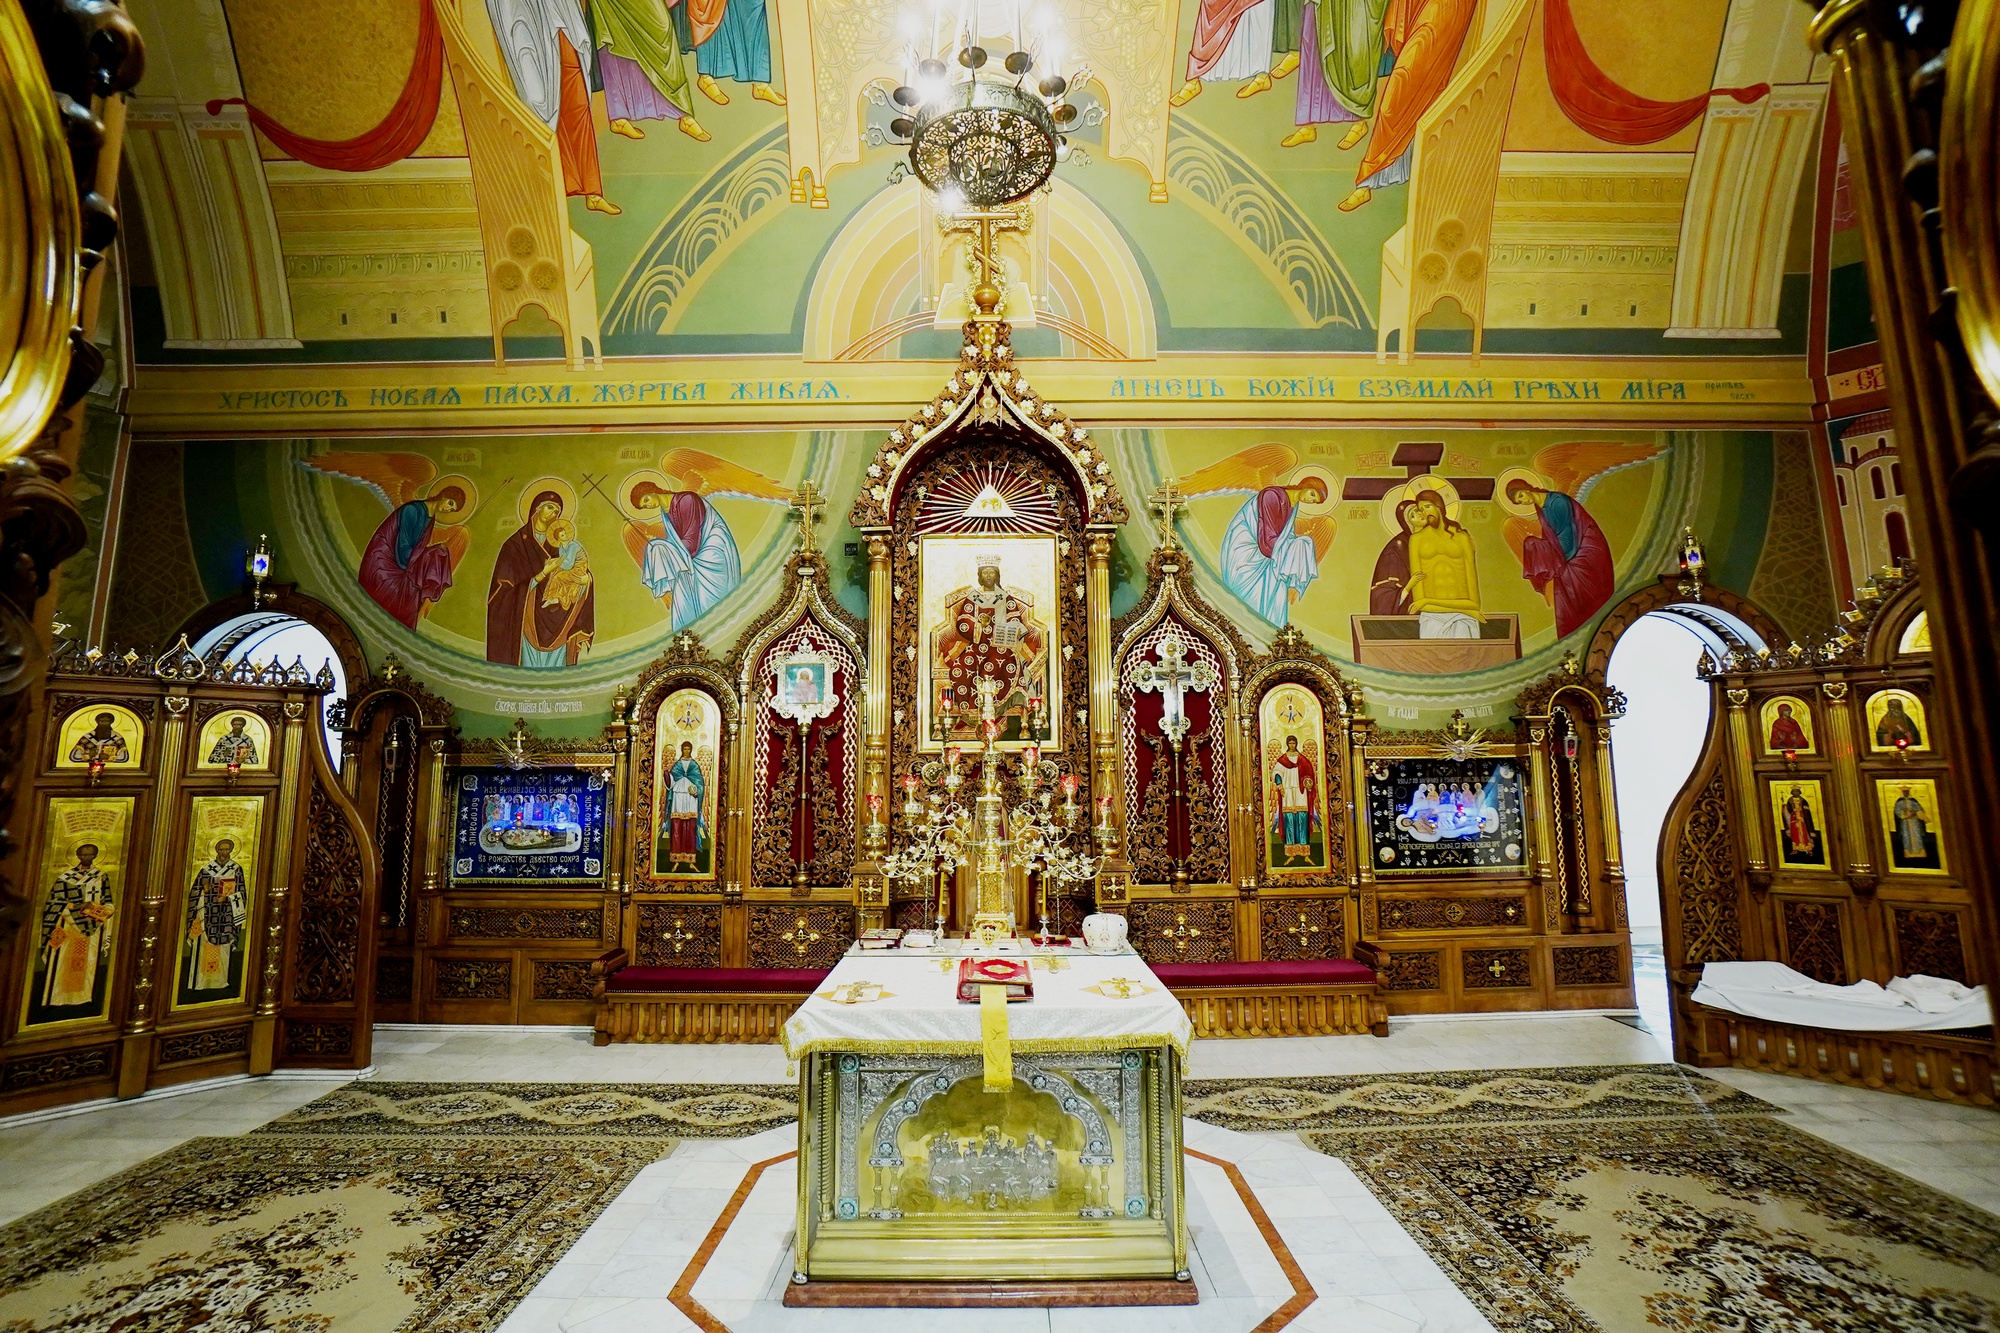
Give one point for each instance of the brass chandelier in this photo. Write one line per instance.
(981, 143)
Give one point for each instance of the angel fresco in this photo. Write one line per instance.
(1563, 552)
(1272, 549)
(687, 556)
(408, 564)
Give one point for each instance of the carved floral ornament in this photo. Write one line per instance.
(986, 389)
(1849, 640)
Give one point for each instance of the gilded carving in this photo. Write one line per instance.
(1201, 930)
(1301, 928)
(811, 935)
(678, 935)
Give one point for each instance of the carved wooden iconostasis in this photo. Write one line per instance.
(1821, 829)
(201, 883)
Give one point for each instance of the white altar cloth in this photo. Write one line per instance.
(1073, 1009)
(1777, 994)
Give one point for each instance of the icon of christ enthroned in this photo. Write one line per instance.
(989, 630)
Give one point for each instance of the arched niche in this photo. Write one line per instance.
(800, 769)
(1178, 790)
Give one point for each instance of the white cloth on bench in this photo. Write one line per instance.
(1778, 994)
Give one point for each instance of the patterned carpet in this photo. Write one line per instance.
(380, 1206)
(1638, 1198)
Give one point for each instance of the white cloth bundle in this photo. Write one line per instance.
(1907, 1004)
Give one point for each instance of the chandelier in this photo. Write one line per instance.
(982, 142)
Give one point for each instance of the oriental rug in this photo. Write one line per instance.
(1638, 1198)
(405, 1206)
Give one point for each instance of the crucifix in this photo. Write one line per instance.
(1173, 676)
(1167, 502)
(983, 225)
(1416, 459)
(806, 504)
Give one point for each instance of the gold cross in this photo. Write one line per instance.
(804, 504)
(1497, 968)
(1304, 930)
(1168, 501)
(800, 937)
(1182, 934)
(680, 935)
(981, 226)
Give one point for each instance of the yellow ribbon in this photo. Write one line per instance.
(993, 1038)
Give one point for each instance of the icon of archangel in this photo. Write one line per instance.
(409, 561)
(687, 555)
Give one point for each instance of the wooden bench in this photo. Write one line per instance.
(1313, 998)
(1949, 1066)
(695, 1004)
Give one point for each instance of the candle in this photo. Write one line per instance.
(1032, 755)
(1069, 784)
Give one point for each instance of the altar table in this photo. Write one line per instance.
(912, 1172)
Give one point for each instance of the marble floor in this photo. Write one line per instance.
(1952, 1148)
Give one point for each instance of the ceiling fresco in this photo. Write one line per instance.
(410, 180)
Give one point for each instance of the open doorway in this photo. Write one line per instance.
(262, 637)
(1654, 748)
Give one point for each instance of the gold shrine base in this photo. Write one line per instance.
(911, 1173)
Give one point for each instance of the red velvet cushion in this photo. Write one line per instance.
(728, 979)
(1327, 972)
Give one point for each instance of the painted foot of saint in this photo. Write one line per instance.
(1362, 194)
(1355, 134)
(693, 130)
(1285, 66)
(597, 203)
(628, 129)
(1188, 92)
(764, 92)
(1260, 84)
(1304, 134)
(712, 90)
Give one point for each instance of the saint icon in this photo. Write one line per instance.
(235, 746)
(75, 942)
(218, 907)
(1295, 789)
(102, 744)
(687, 834)
(990, 633)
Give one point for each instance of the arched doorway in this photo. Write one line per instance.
(1652, 657)
(261, 637)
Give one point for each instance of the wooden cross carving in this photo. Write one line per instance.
(806, 504)
(1303, 931)
(1181, 933)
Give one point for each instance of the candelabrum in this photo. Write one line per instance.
(942, 831)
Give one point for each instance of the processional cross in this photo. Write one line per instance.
(1174, 676)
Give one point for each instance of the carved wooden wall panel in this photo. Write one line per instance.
(1302, 928)
(561, 979)
(1495, 969)
(330, 923)
(182, 1048)
(318, 1042)
(395, 979)
(1930, 942)
(1587, 965)
(472, 978)
(1452, 913)
(26, 1072)
(1813, 940)
(1705, 884)
(799, 935)
(1187, 930)
(678, 935)
(1415, 970)
(524, 923)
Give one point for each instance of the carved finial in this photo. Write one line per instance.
(806, 504)
(1167, 502)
